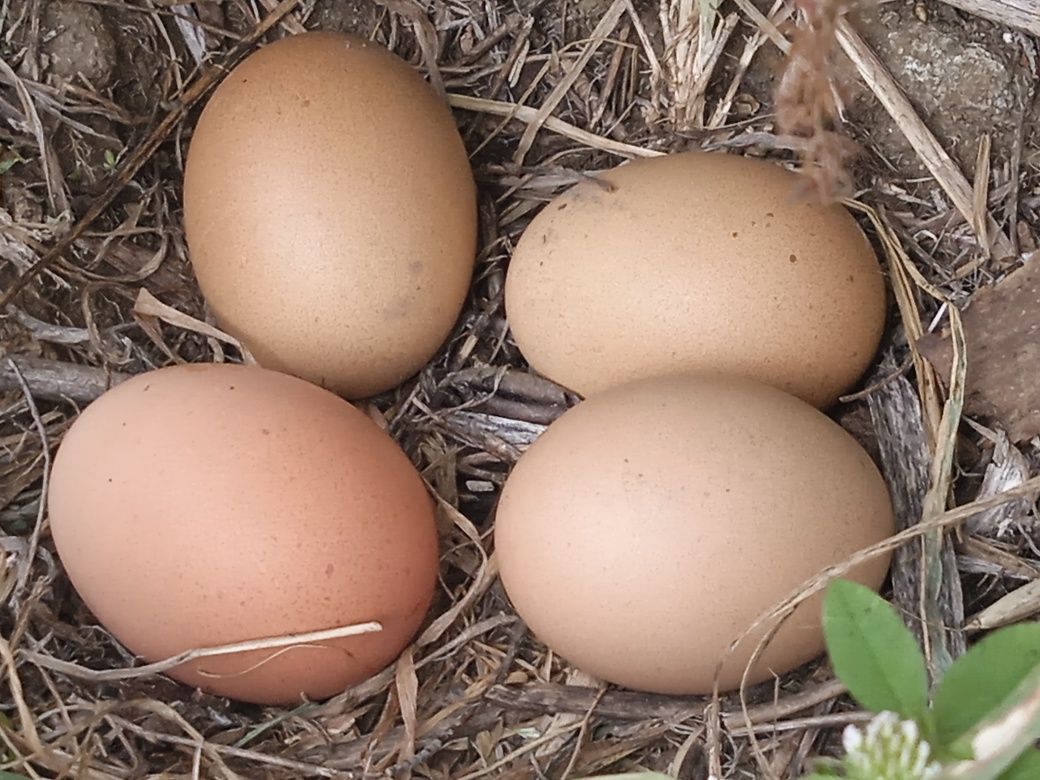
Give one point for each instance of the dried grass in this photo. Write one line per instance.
(95, 286)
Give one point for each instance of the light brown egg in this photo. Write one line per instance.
(212, 504)
(696, 262)
(330, 212)
(650, 526)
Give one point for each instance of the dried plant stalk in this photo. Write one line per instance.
(809, 99)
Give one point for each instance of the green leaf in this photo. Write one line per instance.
(983, 678)
(824, 768)
(1026, 768)
(12, 776)
(873, 653)
(1003, 736)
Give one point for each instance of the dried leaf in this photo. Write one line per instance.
(147, 305)
(1002, 331)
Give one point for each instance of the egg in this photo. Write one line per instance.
(649, 527)
(205, 505)
(696, 262)
(330, 212)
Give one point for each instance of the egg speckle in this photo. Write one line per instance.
(204, 505)
(696, 262)
(649, 526)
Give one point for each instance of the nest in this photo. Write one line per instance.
(96, 284)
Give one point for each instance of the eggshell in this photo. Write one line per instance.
(651, 525)
(696, 262)
(204, 505)
(330, 212)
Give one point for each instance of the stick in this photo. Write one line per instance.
(41, 431)
(54, 380)
(271, 643)
(633, 706)
(1023, 14)
(529, 115)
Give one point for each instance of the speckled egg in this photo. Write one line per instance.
(330, 212)
(206, 505)
(696, 262)
(650, 526)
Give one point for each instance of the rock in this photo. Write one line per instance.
(960, 77)
(77, 41)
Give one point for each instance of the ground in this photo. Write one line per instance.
(87, 85)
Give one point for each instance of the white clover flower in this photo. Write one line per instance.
(888, 749)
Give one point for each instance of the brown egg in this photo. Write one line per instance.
(211, 504)
(650, 526)
(330, 212)
(696, 262)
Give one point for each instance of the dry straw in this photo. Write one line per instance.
(96, 286)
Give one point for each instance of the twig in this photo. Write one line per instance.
(896, 414)
(1022, 14)
(529, 115)
(815, 721)
(711, 60)
(620, 705)
(582, 732)
(54, 380)
(980, 223)
(1015, 606)
(147, 148)
(41, 431)
(1014, 192)
(766, 25)
(272, 643)
(781, 12)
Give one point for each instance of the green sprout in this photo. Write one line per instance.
(111, 160)
(8, 160)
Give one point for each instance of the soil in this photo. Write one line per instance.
(77, 43)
